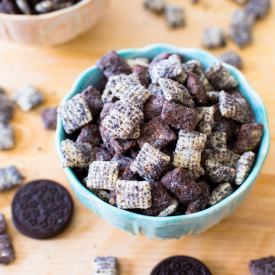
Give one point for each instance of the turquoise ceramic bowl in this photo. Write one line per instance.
(177, 226)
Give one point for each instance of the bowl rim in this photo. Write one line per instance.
(50, 15)
(261, 155)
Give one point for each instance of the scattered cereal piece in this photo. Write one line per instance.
(142, 61)
(232, 58)
(163, 204)
(249, 137)
(174, 16)
(181, 185)
(3, 225)
(155, 6)
(206, 124)
(153, 107)
(174, 91)
(217, 140)
(262, 266)
(213, 37)
(220, 193)
(89, 134)
(112, 64)
(28, 98)
(220, 77)
(6, 249)
(93, 99)
(218, 172)
(76, 154)
(150, 162)
(259, 8)
(142, 74)
(133, 194)
(49, 118)
(105, 266)
(6, 137)
(167, 68)
(179, 116)
(102, 175)
(244, 166)
(6, 108)
(10, 177)
(74, 113)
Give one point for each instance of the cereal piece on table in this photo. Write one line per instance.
(76, 154)
(217, 140)
(6, 249)
(174, 91)
(234, 107)
(163, 204)
(75, 113)
(155, 6)
(49, 118)
(194, 66)
(142, 74)
(167, 68)
(138, 61)
(102, 175)
(179, 116)
(24, 6)
(249, 137)
(6, 108)
(232, 58)
(153, 107)
(102, 153)
(218, 172)
(113, 64)
(133, 194)
(206, 124)
(122, 120)
(259, 8)
(220, 193)
(10, 177)
(244, 166)
(181, 185)
(174, 16)
(193, 140)
(220, 78)
(202, 201)
(28, 98)
(3, 224)
(262, 266)
(213, 37)
(105, 266)
(89, 134)
(150, 162)
(102, 194)
(196, 88)
(6, 137)
(213, 96)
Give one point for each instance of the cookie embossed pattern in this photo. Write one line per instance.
(178, 225)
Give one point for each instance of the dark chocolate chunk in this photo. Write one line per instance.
(262, 266)
(89, 134)
(93, 99)
(49, 118)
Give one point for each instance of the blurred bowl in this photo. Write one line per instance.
(174, 226)
(52, 28)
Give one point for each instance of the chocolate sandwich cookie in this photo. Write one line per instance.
(42, 209)
(183, 265)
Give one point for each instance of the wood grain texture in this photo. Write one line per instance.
(226, 248)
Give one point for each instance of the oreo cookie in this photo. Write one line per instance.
(42, 209)
(183, 265)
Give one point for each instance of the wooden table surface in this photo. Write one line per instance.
(248, 233)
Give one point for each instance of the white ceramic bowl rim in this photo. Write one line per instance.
(261, 156)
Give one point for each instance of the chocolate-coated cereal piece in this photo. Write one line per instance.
(232, 58)
(217, 140)
(262, 266)
(192, 139)
(249, 137)
(220, 193)
(155, 90)
(174, 16)
(24, 6)
(150, 162)
(220, 78)
(181, 185)
(156, 133)
(93, 99)
(244, 166)
(218, 172)
(112, 64)
(153, 107)
(3, 224)
(133, 194)
(102, 175)
(10, 177)
(142, 74)
(76, 154)
(259, 8)
(167, 68)
(105, 266)
(9, 7)
(49, 118)
(174, 91)
(138, 61)
(213, 96)
(213, 37)
(6, 249)
(6, 108)
(223, 156)
(89, 134)
(102, 153)
(180, 265)
(163, 204)
(105, 110)
(75, 113)
(6, 137)
(179, 116)
(206, 124)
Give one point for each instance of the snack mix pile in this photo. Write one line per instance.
(163, 137)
